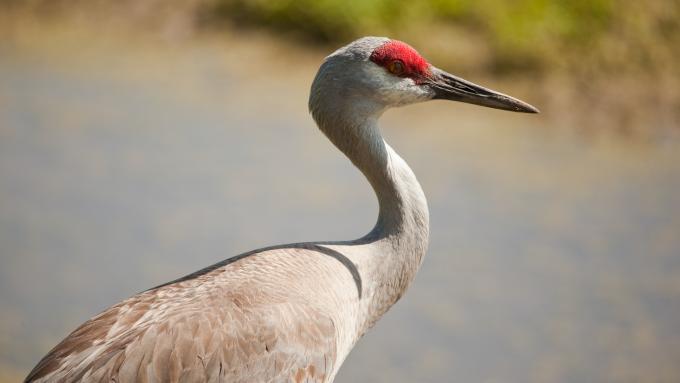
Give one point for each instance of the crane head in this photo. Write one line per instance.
(385, 73)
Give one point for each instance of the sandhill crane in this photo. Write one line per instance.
(290, 312)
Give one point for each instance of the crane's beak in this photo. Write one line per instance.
(449, 87)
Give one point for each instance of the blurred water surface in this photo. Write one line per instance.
(554, 256)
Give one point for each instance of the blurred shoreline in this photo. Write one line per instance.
(644, 105)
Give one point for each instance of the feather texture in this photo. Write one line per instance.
(234, 323)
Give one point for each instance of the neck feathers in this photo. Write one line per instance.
(353, 128)
(393, 251)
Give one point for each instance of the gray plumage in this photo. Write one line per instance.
(289, 313)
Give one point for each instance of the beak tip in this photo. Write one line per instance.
(532, 110)
(523, 107)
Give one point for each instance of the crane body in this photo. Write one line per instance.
(288, 313)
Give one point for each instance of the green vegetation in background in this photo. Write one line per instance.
(517, 35)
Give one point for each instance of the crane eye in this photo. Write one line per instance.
(396, 67)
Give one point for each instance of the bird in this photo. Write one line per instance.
(288, 313)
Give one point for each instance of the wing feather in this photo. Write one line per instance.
(180, 333)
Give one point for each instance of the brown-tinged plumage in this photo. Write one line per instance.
(290, 313)
(229, 324)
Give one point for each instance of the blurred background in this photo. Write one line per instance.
(143, 140)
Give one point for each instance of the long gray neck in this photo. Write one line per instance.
(396, 245)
